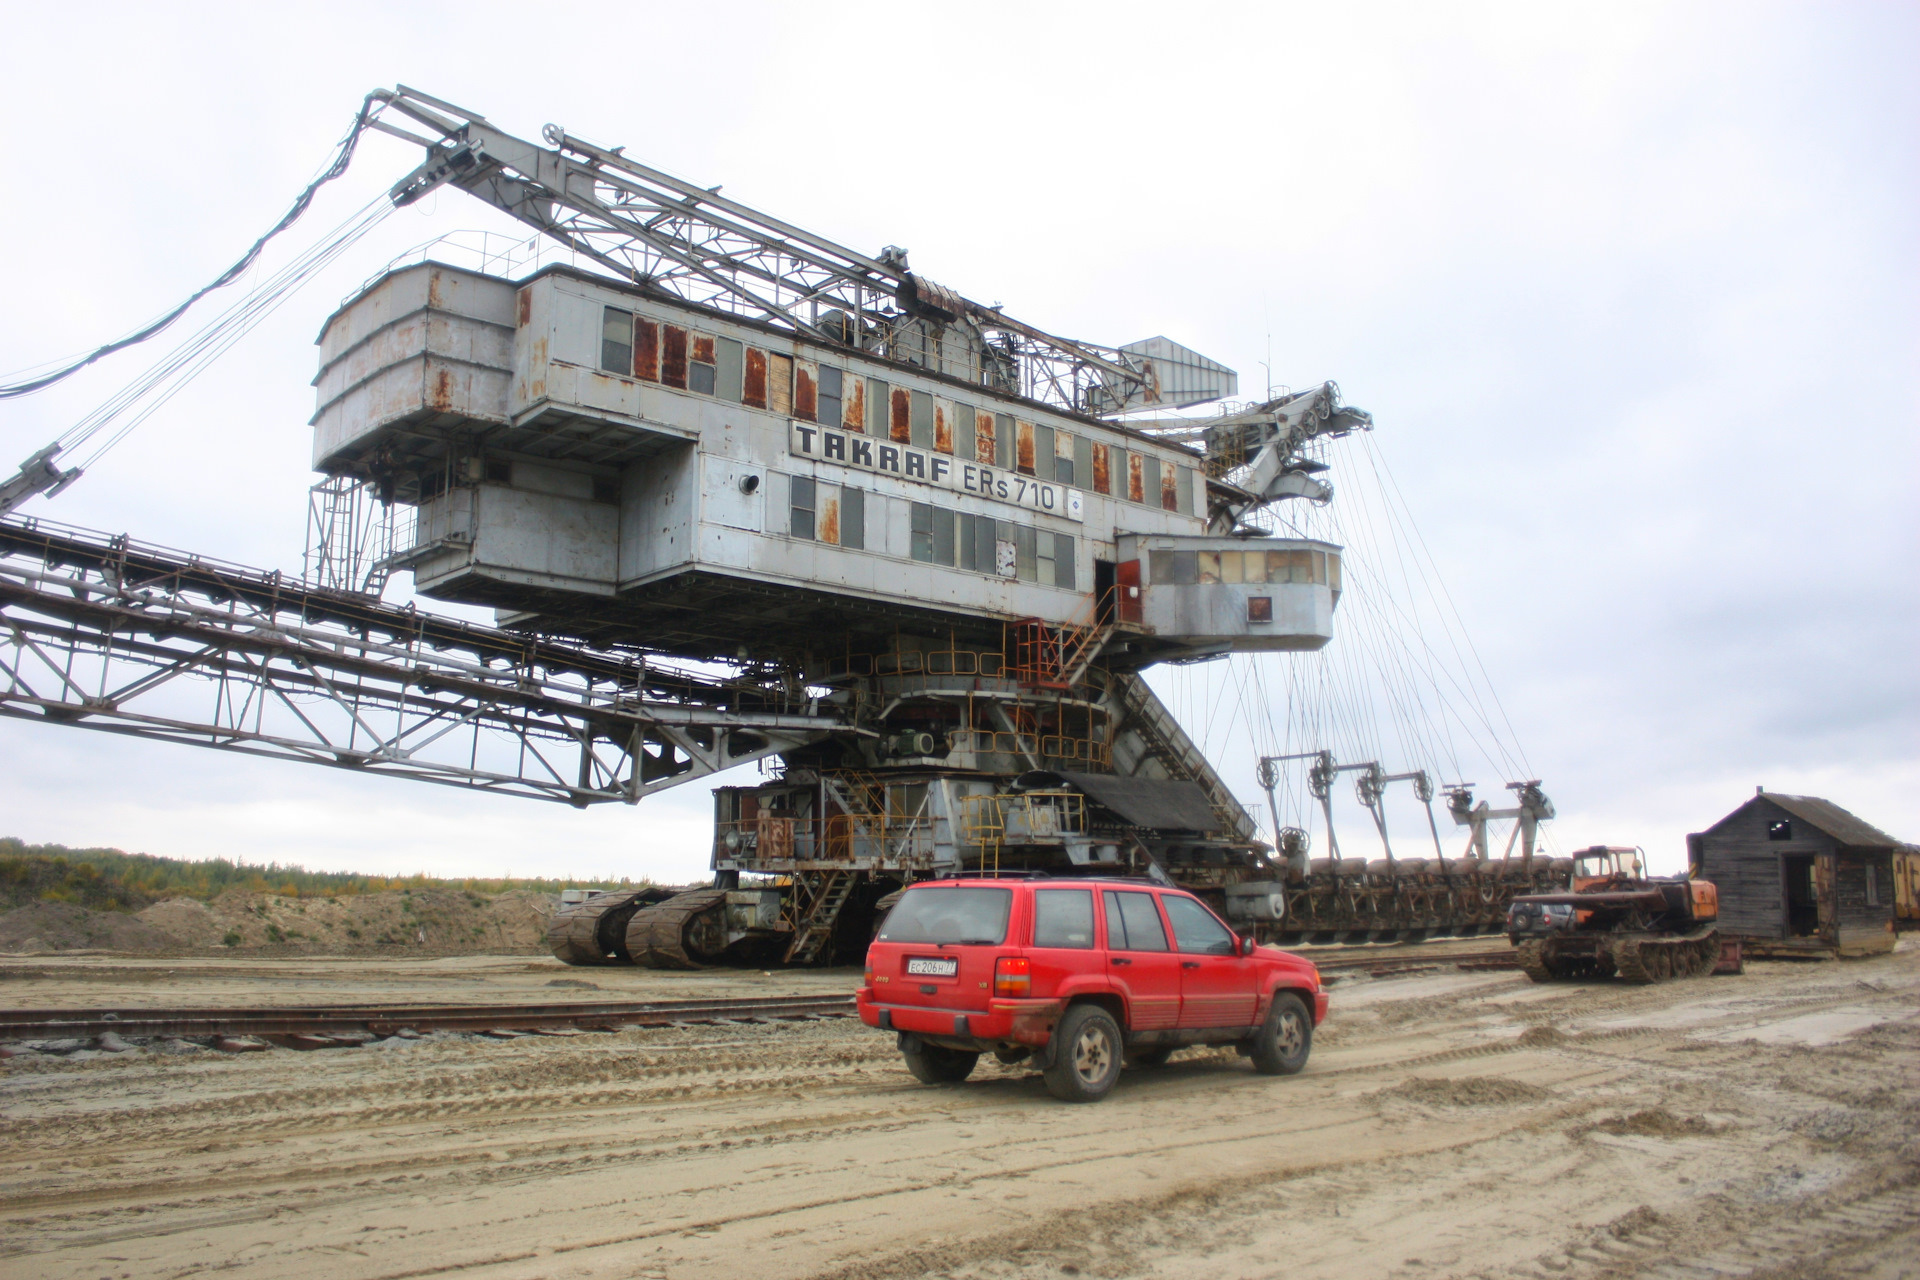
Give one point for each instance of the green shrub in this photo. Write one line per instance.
(232, 939)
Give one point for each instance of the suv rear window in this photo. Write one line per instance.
(932, 915)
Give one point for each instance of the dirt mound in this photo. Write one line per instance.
(1654, 1122)
(187, 921)
(61, 926)
(1468, 1091)
(438, 920)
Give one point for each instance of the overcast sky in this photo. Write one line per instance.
(1629, 289)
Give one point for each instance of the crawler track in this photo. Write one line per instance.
(381, 1020)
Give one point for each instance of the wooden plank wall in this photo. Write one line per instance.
(1744, 865)
(1863, 926)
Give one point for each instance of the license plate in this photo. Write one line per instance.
(929, 968)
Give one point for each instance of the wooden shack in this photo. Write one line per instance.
(1800, 875)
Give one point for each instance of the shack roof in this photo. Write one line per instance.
(1824, 815)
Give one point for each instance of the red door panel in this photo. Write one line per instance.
(1139, 960)
(1217, 987)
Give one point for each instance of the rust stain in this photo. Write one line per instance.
(806, 396)
(646, 350)
(1102, 469)
(1136, 478)
(1023, 447)
(1169, 487)
(983, 441)
(942, 427)
(433, 290)
(441, 396)
(830, 521)
(901, 426)
(854, 404)
(524, 301)
(753, 389)
(703, 348)
(673, 356)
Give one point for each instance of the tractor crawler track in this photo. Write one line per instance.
(382, 1020)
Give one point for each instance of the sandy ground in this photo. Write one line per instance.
(1450, 1124)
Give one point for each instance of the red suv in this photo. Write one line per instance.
(1079, 974)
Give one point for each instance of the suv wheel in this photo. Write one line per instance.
(932, 1064)
(1086, 1055)
(1281, 1045)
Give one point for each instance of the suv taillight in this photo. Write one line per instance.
(1012, 976)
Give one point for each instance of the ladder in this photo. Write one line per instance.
(816, 927)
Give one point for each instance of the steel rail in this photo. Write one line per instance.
(382, 1020)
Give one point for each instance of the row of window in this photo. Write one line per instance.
(1061, 918)
(1186, 568)
(839, 514)
(653, 351)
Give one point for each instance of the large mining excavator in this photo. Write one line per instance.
(1616, 920)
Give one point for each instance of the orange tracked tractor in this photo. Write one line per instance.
(1616, 920)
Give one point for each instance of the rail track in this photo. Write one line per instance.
(335, 1026)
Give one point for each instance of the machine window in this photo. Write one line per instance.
(702, 375)
(730, 364)
(616, 341)
(942, 536)
(828, 409)
(1195, 929)
(921, 527)
(1026, 562)
(1133, 924)
(1063, 918)
(1063, 560)
(803, 506)
(853, 518)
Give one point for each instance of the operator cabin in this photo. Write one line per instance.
(593, 459)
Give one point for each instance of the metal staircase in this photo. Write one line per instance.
(815, 931)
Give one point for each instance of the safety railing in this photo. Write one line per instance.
(1043, 747)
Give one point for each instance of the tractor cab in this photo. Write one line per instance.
(1604, 866)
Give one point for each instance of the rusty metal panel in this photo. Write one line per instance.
(1136, 478)
(827, 525)
(753, 387)
(1023, 448)
(853, 403)
(1169, 487)
(1102, 469)
(673, 356)
(900, 424)
(806, 390)
(646, 350)
(703, 347)
(983, 449)
(523, 302)
(779, 384)
(945, 412)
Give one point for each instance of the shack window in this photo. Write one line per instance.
(616, 341)
(853, 518)
(702, 370)
(803, 504)
(830, 406)
(1780, 829)
(1873, 886)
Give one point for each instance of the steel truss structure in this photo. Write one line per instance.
(102, 633)
(692, 243)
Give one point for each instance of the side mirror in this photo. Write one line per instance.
(1247, 944)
